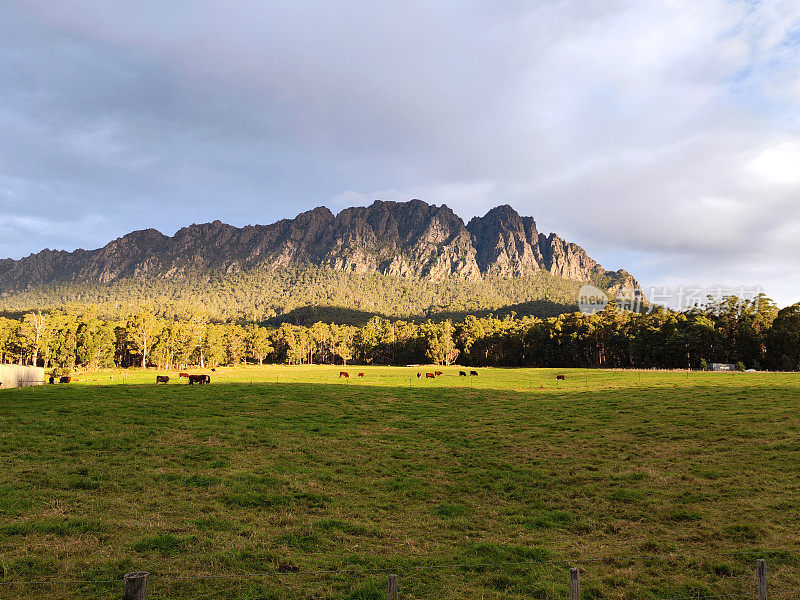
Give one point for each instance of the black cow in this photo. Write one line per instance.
(462, 374)
(473, 373)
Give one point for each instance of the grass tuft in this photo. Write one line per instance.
(163, 543)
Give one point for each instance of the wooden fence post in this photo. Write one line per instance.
(574, 585)
(761, 569)
(134, 586)
(392, 587)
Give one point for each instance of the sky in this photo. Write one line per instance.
(662, 136)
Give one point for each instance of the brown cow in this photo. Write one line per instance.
(64, 379)
(437, 373)
(199, 379)
(183, 375)
(361, 375)
(430, 376)
(162, 379)
(561, 377)
(344, 374)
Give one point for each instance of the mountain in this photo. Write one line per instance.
(399, 239)
(404, 259)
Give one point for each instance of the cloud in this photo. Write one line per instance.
(779, 164)
(661, 136)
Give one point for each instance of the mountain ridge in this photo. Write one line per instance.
(401, 239)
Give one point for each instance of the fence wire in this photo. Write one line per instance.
(396, 569)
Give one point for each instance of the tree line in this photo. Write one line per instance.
(752, 333)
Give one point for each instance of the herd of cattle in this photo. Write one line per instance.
(433, 375)
(198, 379)
(436, 374)
(203, 379)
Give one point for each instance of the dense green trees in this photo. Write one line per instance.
(440, 343)
(32, 329)
(753, 333)
(261, 294)
(142, 329)
(259, 344)
(94, 344)
(784, 339)
(9, 341)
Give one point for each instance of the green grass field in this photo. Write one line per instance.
(265, 483)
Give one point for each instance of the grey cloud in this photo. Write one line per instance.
(627, 126)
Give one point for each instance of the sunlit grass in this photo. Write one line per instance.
(683, 479)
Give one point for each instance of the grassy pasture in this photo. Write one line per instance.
(657, 484)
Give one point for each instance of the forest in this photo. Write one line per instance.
(258, 295)
(753, 334)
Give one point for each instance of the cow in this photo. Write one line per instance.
(183, 375)
(64, 379)
(162, 379)
(419, 375)
(437, 373)
(430, 376)
(462, 373)
(52, 380)
(199, 379)
(361, 375)
(561, 377)
(213, 370)
(473, 373)
(344, 374)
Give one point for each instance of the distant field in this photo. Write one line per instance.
(522, 380)
(657, 484)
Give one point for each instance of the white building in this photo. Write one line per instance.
(12, 376)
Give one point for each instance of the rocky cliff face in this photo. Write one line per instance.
(505, 243)
(400, 239)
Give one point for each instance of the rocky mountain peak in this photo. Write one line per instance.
(398, 239)
(506, 244)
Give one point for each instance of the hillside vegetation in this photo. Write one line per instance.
(261, 294)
